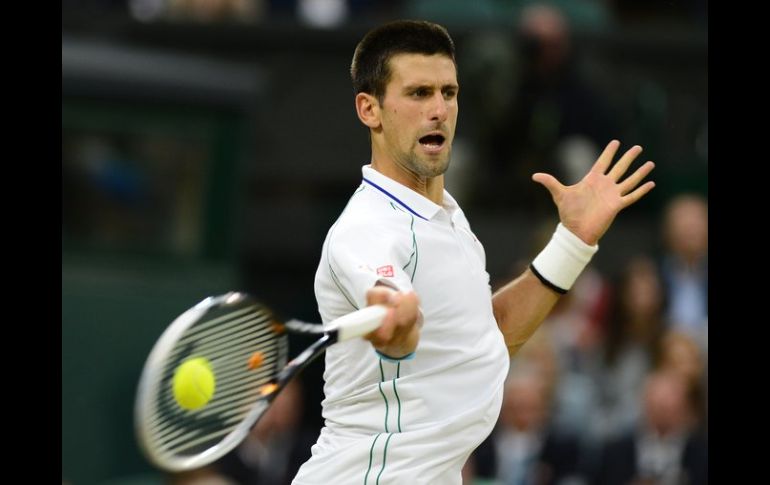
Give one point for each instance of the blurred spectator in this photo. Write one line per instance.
(689, 11)
(276, 446)
(539, 355)
(207, 475)
(573, 328)
(526, 448)
(576, 321)
(680, 354)
(556, 119)
(665, 448)
(633, 333)
(685, 265)
(203, 11)
(449, 12)
(325, 14)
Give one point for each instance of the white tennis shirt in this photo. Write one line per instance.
(414, 421)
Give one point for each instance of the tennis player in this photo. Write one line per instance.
(409, 405)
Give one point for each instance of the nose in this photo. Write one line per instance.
(438, 108)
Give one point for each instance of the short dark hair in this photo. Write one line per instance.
(370, 69)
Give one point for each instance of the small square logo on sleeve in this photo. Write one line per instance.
(385, 271)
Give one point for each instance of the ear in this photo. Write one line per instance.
(368, 110)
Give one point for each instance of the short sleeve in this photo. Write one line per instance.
(360, 257)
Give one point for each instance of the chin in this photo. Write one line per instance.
(432, 170)
(434, 166)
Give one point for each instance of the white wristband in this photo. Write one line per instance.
(562, 260)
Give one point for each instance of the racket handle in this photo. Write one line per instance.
(359, 322)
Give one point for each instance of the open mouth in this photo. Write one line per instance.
(433, 141)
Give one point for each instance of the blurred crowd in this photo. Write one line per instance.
(334, 13)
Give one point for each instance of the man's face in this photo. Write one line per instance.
(419, 112)
(665, 404)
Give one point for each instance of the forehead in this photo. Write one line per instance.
(420, 69)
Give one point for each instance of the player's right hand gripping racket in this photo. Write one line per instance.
(246, 349)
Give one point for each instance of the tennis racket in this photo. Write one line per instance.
(247, 349)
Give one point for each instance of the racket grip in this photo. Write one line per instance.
(360, 322)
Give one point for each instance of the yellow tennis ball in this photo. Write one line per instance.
(194, 383)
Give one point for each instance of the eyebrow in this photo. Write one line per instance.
(413, 87)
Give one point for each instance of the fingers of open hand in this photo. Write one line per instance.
(633, 180)
(625, 161)
(605, 159)
(637, 194)
(549, 182)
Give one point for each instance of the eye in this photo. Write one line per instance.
(420, 92)
(450, 93)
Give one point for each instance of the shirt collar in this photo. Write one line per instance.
(402, 195)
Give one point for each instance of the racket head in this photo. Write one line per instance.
(228, 331)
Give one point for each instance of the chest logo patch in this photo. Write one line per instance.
(385, 271)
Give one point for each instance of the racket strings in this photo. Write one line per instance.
(228, 352)
(207, 435)
(179, 442)
(234, 386)
(223, 326)
(235, 389)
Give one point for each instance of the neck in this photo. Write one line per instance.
(431, 188)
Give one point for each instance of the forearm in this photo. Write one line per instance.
(520, 307)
